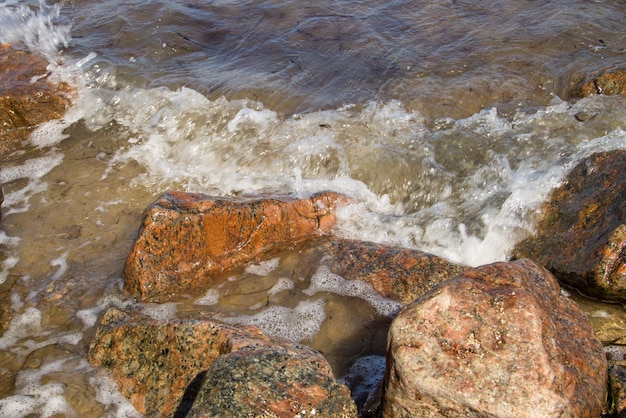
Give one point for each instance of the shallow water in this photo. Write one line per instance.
(449, 121)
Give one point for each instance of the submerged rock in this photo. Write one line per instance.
(605, 81)
(159, 364)
(581, 236)
(397, 273)
(187, 237)
(499, 340)
(27, 97)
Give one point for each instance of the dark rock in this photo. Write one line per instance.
(23, 103)
(1, 201)
(499, 340)
(263, 382)
(397, 273)
(185, 238)
(581, 236)
(159, 364)
(605, 81)
(617, 389)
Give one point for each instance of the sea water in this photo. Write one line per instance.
(448, 122)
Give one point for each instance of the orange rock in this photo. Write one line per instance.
(27, 98)
(186, 237)
(606, 81)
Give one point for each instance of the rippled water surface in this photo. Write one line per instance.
(448, 121)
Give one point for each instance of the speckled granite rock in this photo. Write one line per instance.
(581, 236)
(186, 237)
(24, 103)
(397, 273)
(272, 383)
(605, 81)
(158, 364)
(499, 340)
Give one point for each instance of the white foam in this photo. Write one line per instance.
(34, 29)
(33, 170)
(264, 267)
(21, 326)
(365, 375)
(160, 312)
(282, 284)
(61, 262)
(211, 297)
(32, 396)
(108, 395)
(298, 324)
(326, 281)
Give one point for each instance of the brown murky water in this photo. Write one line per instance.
(448, 120)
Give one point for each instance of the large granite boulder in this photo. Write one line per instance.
(581, 236)
(27, 97)
(185, 238)
(610, 80)
(159, 364)
(498, 340)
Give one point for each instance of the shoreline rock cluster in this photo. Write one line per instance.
(494, 340)
(497, 340)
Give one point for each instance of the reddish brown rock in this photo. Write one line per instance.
(581, 236)
(185, 238)
(27, 98)
(158, 364)
(499, 340)
(397, 273)
(605, 81)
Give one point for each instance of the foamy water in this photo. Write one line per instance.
(449, 139)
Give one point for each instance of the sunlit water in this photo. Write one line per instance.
(449, 122)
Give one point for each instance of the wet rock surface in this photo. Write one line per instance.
(605, 81)
(186, 237)
(581, 236)
(397, 273)
(27, 98)
(272, 383)
(159, 363)
(499, 340)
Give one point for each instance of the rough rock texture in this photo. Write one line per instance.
(158, 364)
(1, 200)
(605, 81)
(272, 383)
(499, 340)
(185, 237)
(397, 273)
(617, 389)
(24, 103)
(581, 236)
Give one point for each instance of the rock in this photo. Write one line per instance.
(272, 383)
(617, 389)
(581, 236)
(25, 103)
(158, 364)
(610, 80)
(1, 201)
(397, 273)
(185, 238)
(499, 340)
